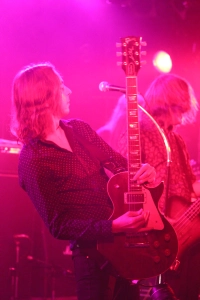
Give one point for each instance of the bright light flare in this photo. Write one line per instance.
(162, 62)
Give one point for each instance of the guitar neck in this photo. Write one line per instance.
(193, 211)
(134, 152)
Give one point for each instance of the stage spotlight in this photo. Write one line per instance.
(162, 292)
(162, 62)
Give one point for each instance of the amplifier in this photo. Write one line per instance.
(9, 156)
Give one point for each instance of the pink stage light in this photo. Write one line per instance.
(162, 62)
(89, 4)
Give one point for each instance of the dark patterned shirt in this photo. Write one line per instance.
(69, 189)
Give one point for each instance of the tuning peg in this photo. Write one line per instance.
(118, 45)
(143, 53)
(119, 53)
(143, 43)
(119, 63)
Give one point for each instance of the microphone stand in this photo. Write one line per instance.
(15, 273)
(15, 270)
(54, 269)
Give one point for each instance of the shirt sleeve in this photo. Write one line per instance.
(109, 158)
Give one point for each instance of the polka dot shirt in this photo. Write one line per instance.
(69, 189)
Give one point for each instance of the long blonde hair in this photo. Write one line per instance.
(36, 96)
(171, 92)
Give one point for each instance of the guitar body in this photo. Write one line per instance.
(185, 218)
(148, 252)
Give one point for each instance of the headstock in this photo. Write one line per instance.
(131, 47)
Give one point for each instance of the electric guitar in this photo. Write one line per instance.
(152, 250)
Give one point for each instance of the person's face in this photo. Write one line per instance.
(65, 101)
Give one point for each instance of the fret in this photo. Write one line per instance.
(134, 152)
(133, 128)
(134, 138)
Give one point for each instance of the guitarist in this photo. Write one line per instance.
(171, 101)
(61, 169)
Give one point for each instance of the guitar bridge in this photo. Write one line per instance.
(130, 243)
(137, 245)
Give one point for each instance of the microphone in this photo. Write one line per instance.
(105, 87)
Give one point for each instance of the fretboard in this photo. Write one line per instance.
(134, 153)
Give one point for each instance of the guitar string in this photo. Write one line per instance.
(189, 215)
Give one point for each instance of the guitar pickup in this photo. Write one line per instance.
(134, 198)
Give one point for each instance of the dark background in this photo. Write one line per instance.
(79, 37)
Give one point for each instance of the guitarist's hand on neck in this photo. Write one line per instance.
(130, 221)
(146, 174)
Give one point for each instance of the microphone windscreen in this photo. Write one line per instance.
(103, 86)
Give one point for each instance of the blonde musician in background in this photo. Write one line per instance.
(171, 101)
